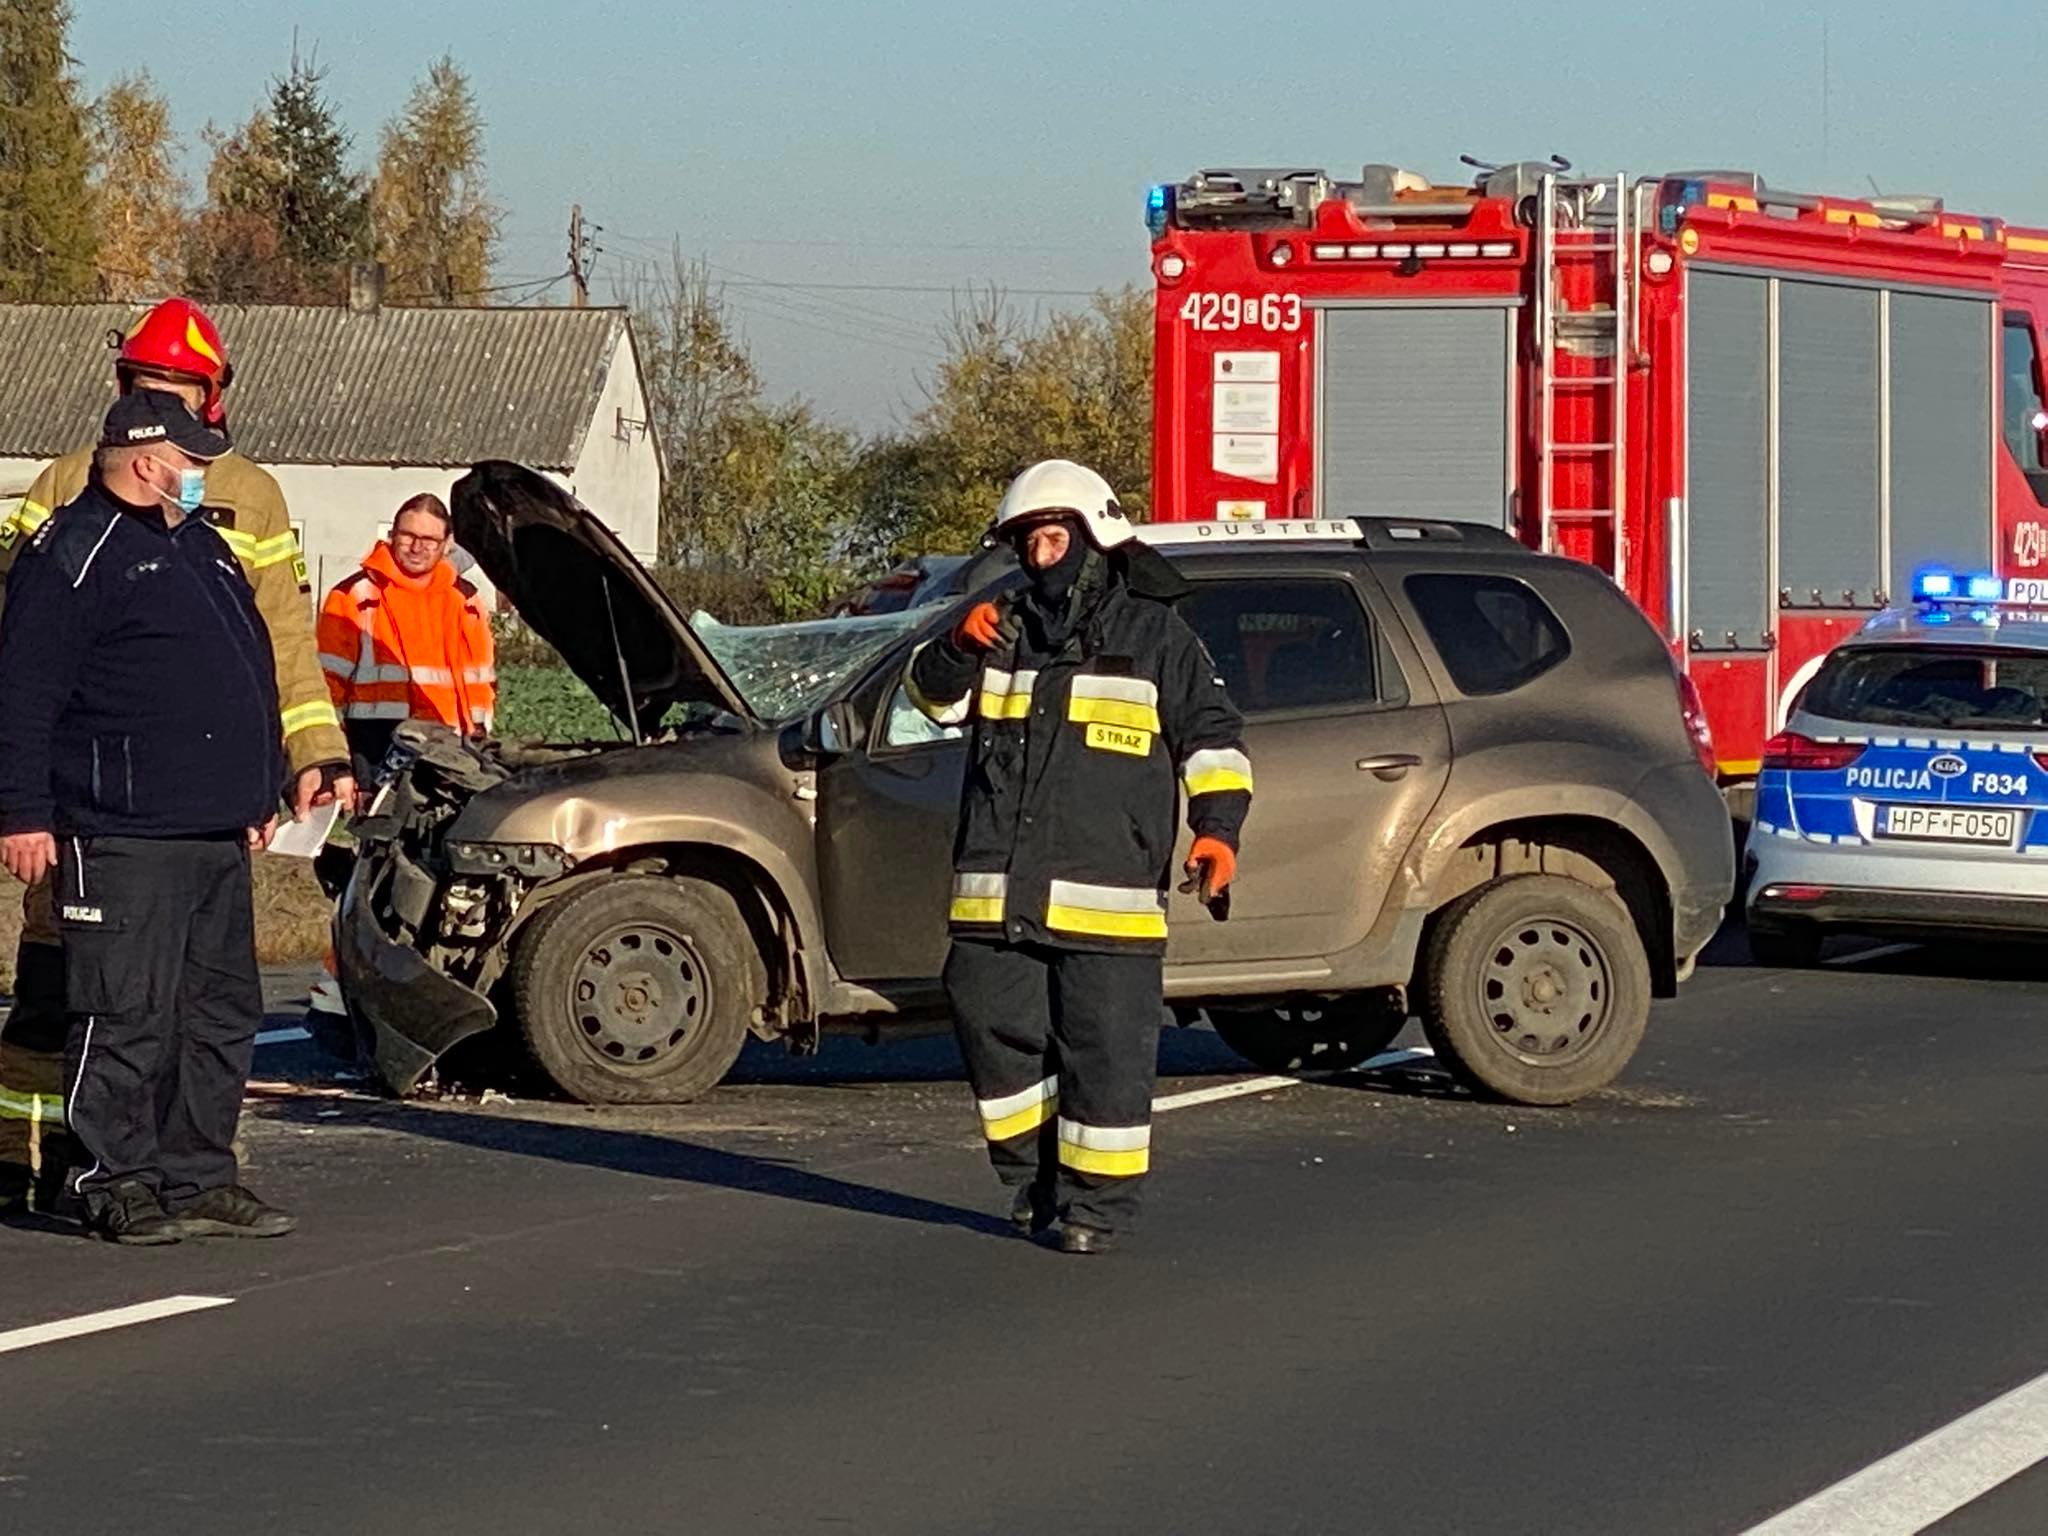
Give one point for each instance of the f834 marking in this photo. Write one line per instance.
(1998, 784)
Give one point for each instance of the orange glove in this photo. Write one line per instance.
(981, 630)
(1221, 862)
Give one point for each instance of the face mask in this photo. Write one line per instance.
(191, 491)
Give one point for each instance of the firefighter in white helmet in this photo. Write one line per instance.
(1092, 703)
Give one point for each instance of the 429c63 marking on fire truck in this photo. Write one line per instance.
(1243, 311)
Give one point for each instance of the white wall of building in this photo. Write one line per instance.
(618, 474)
(342, 509)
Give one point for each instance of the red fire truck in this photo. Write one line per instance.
(1758, 410)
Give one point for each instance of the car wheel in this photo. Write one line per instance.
(1324, 1037)
(637, 990)
(1791, 949)
(1537, 989)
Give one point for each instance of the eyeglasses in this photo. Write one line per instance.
(425, 540)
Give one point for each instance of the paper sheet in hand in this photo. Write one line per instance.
(305, 839)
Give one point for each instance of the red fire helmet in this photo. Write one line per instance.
(178, 338)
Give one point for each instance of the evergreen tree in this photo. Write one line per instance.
(48, 238)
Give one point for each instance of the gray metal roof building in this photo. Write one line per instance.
(333, 385)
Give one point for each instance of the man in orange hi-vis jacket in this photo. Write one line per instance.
(405, 638)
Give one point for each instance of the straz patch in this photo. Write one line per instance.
(299, 573)
(1118, 738)
(9, 532)
(73, 914)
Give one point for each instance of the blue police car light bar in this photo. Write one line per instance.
(1985, 589)
(1934, 583)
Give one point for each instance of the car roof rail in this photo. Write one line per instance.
(1378, 533)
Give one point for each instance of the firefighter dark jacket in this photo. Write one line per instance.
(246, 507)
(1079, 744)
(136, 689)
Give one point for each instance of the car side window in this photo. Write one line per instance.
(1494, 633)
(1292, 644)
(908, 726)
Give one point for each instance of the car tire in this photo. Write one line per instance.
(637, 990)
(1789, 949)
(1325, 1037)
(1536, 989)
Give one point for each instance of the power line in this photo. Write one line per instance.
(874, 324)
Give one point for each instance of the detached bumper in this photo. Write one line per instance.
(1778, 905)
(413, 1012)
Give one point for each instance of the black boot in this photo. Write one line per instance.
(1075, 1239)
(131, 1214)
(1033, 1210)
(231, 1212)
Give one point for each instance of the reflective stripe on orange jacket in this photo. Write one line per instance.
(399, 647)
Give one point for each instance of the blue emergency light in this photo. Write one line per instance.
(1933, 584)
(1985, 589)
(1156, 210)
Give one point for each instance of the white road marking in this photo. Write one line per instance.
(1931, 1478)
(283, 1036)
(100, 1322)
(1253, 1085)
(1875, 952)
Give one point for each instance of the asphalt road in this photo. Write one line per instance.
(1805, 1230)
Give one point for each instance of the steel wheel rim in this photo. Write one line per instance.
(1545, 991)
(638, 997)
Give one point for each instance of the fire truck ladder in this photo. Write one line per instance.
(1592, 219)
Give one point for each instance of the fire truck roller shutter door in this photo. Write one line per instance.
(1941, 434)
(1828, 445)
(1415, 412)
(1727, 419)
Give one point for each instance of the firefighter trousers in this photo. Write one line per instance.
(160, 976)
(1062, 1050)
(34, 1151)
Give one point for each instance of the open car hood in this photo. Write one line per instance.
(571, 579)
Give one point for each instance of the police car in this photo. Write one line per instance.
(1908, 793)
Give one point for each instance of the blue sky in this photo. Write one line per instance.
(930, 145)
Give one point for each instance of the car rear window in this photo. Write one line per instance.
(1930, 687)
(1494, 633)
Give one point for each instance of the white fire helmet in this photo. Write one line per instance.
(1057, 487)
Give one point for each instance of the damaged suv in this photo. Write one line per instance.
(1478, 794)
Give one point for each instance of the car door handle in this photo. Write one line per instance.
(1389, 766)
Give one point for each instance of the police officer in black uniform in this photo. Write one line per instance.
(1093, 703)
(141, 757)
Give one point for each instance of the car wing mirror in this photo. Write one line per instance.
(832, 731)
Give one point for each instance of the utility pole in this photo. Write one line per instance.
(579, 278)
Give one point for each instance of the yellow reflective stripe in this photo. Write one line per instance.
(1218, 781)
(1120, 1151)
(1135, 717)
(243, 544)
(1018, 1113)
(273, 551)
(1216, 770)
(1005, 696)
(37, 1108)
(1106, 911)
(31, 515)
(1106, 925)
(305, 717)
(978, 897)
